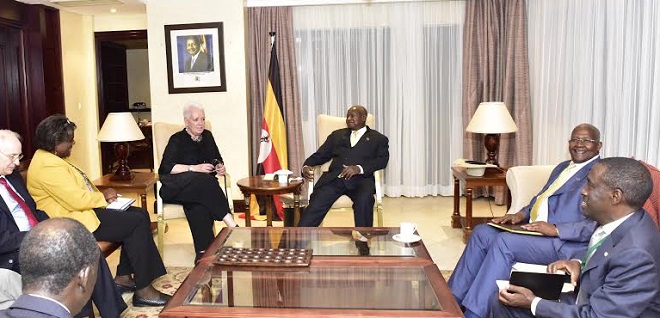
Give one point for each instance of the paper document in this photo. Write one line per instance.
(514, 228)
(120, 204)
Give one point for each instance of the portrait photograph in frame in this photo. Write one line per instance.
(195, 58)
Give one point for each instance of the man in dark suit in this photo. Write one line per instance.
(60, 262)
(15, 224)
(199, 61)
(619, 275)
(356, 152)
(554, 212)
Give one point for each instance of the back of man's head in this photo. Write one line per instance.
(630, 176)
(53, 253)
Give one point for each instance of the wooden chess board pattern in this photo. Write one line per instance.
(280, 257)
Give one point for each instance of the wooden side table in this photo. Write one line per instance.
(258, 186)
(492, 177)
(141, 185)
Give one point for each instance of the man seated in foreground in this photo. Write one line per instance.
(619, 275)
(356, 152)
(59, 259)
(15, 205)
(554, 212)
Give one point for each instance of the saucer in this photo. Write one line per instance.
(406, 239)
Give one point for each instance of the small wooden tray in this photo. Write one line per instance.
(279, 257)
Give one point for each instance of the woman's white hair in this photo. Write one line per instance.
(189, 107)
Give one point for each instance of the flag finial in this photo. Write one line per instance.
(272, 38)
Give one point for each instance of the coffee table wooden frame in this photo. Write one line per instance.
(176, 308)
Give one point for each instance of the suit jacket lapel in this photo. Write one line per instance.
(364, 136)
(575, 179)
(603, 251)
(5, 208)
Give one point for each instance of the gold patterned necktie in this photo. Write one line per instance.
(354, 138)
(561, 179)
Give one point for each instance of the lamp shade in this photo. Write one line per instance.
(491, 118)
(120, 127)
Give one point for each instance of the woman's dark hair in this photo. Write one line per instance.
(53, 131)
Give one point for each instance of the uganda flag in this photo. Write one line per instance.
(272, 149)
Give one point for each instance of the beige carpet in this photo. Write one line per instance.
(168, 284)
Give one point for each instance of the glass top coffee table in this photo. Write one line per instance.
(352, 271)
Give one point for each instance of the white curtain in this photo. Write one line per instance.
(402, 61)
(595, 61)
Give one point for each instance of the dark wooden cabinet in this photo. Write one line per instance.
(141, 153)
(30, 68)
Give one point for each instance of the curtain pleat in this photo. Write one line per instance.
(262, 21)
(496, 68)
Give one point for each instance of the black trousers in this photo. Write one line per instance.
(106, 296)
(139, 255)
(203, 202)
(360, 190)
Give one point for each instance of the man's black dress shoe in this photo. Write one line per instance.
(143, 302)
(125, 288)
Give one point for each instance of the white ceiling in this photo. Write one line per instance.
(95, 7)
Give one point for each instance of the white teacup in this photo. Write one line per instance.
(283, 176)
(407, 229)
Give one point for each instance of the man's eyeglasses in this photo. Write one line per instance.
(584, 141)
(13, 157)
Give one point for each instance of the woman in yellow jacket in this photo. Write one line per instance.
(63, 190)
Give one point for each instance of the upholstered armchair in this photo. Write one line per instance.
(525, 182)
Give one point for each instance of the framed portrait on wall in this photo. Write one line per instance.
(195, 58)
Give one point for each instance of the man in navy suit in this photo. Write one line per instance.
(60, 262)
(14, 225)
(490, 252)
(356, 152)
(619, 275)
(199, 61)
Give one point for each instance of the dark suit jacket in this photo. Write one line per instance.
(105, 295)
(622, 278)
(371, 152)
(34, 307)
(203, 63)
(10, 236)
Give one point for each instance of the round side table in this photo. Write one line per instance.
(258, 186)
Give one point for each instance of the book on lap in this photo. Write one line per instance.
(514, 228)
(120, 204)
(544, 285)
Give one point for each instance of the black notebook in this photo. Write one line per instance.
(544, 285)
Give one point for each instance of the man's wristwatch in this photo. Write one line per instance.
(190, 169)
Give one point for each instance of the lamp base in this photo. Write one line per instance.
(123, 172)
(492, 144)
(122, 176)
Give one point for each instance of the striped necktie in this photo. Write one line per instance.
(21, 203)
(596, 240)
(561, 179)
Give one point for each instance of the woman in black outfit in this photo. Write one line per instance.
(188, 171)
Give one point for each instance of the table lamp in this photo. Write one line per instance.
(492, 119)
(120, 128)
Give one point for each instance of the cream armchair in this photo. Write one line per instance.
(525, 182)
(325, 125)
(166, 211)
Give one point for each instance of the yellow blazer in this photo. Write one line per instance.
(60, 190)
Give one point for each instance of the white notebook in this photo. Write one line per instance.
(120, 204)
